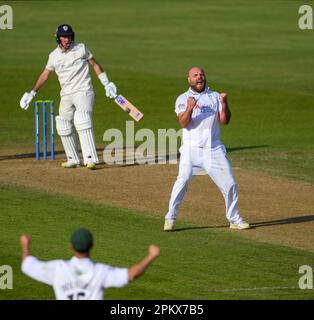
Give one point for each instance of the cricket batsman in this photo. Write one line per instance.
(71, 62)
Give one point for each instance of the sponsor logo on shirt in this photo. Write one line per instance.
(206, 109)
(181, 106)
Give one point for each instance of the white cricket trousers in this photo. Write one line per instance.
(81, 101)
(217, 166)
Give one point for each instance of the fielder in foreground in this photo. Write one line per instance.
(80, 278)
(71, 62)
(200, 111)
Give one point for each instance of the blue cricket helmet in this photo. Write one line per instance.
(64, 30)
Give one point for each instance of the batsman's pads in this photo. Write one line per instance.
(68, 138)
(84, 126)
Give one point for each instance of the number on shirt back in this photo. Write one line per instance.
(77, 296)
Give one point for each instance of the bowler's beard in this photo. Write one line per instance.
(198, 89)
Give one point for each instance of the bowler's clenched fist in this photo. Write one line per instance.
(223, 97)
(191, 103)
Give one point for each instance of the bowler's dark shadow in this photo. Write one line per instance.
(269, 223)
(232, 149)
(254, 225)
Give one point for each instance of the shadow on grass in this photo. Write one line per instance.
(232, 149)
(254, 225)
(27, 155)
(300, 219)
(166, 157)
(198, 228)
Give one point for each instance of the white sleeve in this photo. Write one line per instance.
(180, 105)
(39, 270)
(116, 277)
(89, 55)
(50, 66)
(219, 103)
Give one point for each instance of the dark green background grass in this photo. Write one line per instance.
(253, 50)
(195, 263)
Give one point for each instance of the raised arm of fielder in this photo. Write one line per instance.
(133, 272)
(34, 268)
(25, 242)
(139, 268)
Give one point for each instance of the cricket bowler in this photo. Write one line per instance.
(71, 61)
(80, 278)
(200, 111)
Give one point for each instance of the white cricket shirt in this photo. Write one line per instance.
(71, 68)
(75, 279)
(203, 129)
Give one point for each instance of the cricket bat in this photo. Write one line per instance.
(128, 107)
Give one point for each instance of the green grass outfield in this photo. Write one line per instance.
(197, 263)
(253, 50)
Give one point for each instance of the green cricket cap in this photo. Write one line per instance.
(81, 240)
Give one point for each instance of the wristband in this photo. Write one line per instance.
(103, 78)
(33, 93)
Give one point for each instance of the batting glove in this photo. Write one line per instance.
(26, 99)
(110, 87)
(111, 90)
